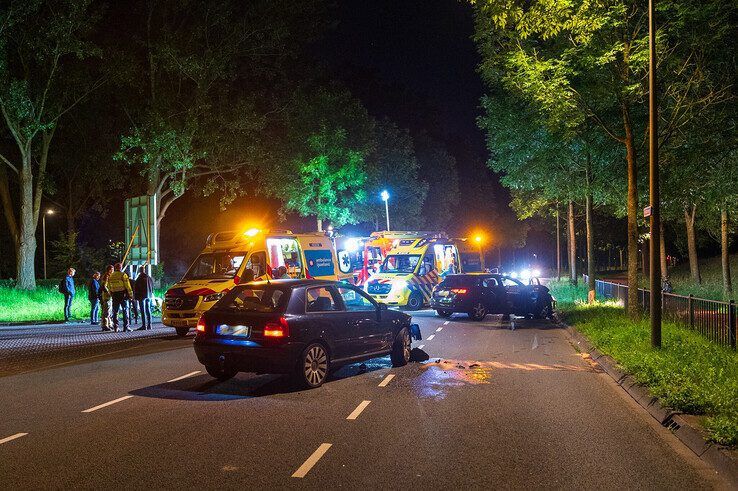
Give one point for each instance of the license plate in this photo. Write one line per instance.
(179, 323)
(229, 330)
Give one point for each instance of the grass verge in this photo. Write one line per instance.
(44, 304)
(689, 373)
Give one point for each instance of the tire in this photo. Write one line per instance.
(182, 331)
(479, 312)
(545, 312)
(415, 302)
(220, 373)
(444, 313)
(313, 366)
(401, 348)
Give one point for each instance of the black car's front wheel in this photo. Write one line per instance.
(478, 312)
(401, 349)
(544, 312)
(312, 368)
(220, 373)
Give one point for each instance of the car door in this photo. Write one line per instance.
(324, 310)
(494, 295)
(362, 315)
(516, 295)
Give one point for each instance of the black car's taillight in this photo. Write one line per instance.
(279, 329)
(201, 325)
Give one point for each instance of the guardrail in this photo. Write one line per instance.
(714, 319)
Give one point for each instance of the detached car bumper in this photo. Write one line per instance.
(248, 356)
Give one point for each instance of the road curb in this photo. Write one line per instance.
(716, 456)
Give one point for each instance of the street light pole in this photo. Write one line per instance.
(478, 238)
(43, 227)
(653, 172)
(385, 198)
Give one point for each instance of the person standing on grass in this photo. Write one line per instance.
(143, 290)
(120, 291)
(93, 295)
(67, 288)
(106, 299)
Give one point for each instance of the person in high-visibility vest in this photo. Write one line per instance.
(119, 286)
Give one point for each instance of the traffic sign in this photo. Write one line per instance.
(647, 212)
(142, 239)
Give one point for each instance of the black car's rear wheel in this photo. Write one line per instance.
(401, 349)
(444, 313)
(478, 312)
(312, 368)
(415, 301)
(182, 331)
(220, 373)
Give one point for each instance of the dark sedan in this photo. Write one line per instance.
(305, 328)
(480, 294)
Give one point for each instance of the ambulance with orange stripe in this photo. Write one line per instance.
(412, 268)
(227, 255)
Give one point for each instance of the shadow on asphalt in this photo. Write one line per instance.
(246, 385)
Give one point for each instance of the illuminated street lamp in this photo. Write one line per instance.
(478, 239)
(43, 227)
(385, 198)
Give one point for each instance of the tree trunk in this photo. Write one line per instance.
(572, 247)
(694, 267)
(630, 155)
(590, 249)
(662, 253)
(558, 244)
(725, 257)
(26, 247)
(644, 257)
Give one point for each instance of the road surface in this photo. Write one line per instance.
(492, 407)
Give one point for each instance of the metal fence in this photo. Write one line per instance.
(713, 319)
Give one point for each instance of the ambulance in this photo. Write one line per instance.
(228, 255)
(469, 255)
(412, 268)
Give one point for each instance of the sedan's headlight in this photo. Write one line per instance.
(213, 297)
(398, 285)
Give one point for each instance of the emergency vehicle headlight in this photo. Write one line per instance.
(536, 273)
(399, 284)
(352, 245)
(213, 297)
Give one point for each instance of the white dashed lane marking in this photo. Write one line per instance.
(12, 437)
(439, 329)
(431, 337)
(356, 412)
(184, 376)
(106, 404)
(421, 346)
(312, 460)
(386, 380)
(446, 323)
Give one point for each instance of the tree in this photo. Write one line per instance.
(330, 184)
(438, 167)
(43, 50)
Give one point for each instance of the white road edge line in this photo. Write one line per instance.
(109, 403)
(184, 376)
(312, 460)
(356, 412)
(431, 337)
(421, 346)
(386, 380)
(446, 323)
(439, 329)
(12, 437)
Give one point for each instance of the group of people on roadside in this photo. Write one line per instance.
(112, 295)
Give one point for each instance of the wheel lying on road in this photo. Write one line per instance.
(444, 313)
(182, 331)
(415, 301)
(479, 312)
(220, 373)
(400, 355)
(312, 366)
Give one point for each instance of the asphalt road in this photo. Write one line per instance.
(493, 407)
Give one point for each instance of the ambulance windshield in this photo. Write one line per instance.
(400, 263)
(215, 265)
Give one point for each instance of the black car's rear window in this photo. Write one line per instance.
(457, 280)
(255, 298)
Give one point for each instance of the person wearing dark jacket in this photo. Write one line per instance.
(143, 290)
(94, 294)
(68, 292)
